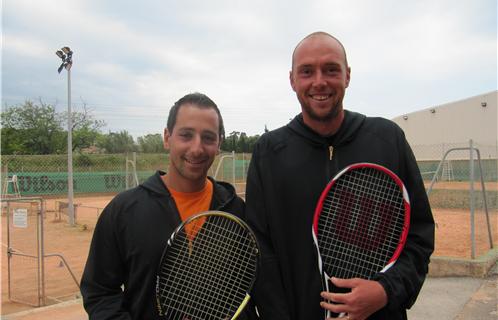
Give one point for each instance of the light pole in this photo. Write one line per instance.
(66, 56)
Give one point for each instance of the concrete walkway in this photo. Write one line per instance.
(457, 299)
(452, 298)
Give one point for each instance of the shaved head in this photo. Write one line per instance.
(319, 34)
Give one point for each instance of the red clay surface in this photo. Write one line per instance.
(452, 240)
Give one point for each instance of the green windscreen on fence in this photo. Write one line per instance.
(241, 167)
(458, 170)
(33, 183)
(54, 183)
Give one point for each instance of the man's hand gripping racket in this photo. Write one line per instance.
(207, 269)
(360, 224)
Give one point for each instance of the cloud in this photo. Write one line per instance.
(24, 46)
(132, 61)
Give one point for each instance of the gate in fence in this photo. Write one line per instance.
(24, 228)
(26, 272)
(472, 150)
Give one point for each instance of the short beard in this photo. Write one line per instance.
(332, 114)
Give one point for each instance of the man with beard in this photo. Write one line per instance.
(120, 274)
(290, 167)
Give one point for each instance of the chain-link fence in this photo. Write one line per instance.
(46, 175)
(110, 173)
(98, 177)
(453, 169)
(457, 165)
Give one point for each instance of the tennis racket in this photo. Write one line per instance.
(361, 223)
(207, 269)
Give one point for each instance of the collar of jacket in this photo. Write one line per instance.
(349, 127)
(223, 192)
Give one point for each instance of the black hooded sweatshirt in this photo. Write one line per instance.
(289, 169)
(127, 245)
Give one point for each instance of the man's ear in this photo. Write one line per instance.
(291, 80)
(166, 139)
(348, 76)
(218, 151)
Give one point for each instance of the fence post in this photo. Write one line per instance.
(471, 164)
(243, 167)
(233, 167)
(135, 169)
(41, 250)
(127, 186)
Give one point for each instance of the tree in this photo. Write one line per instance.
(32, 129)
(239, 142)
(39, 129)
(242, 143)
(85, 128)
(151, 143)
(117, 142)
(12, 142)
(230, 142)
(251, 141)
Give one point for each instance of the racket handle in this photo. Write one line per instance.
(241, 307)
(332, 288)
(329, 315)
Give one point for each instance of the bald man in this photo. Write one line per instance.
(291, 166)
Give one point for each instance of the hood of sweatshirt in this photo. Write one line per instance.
(223, 192)
(347, 131)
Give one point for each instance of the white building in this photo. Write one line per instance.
(434, 130)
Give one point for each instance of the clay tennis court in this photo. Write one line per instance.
(452, 240)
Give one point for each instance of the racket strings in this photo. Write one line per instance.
(236, 240)
(205, 280)
(219, 268)
(210, 267)
(364, 216)
(181, 255)
(209, 276)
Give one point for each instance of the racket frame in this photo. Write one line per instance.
(319, 207)
(206, 215)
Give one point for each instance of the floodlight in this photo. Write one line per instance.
(66, 50)
(60, 54)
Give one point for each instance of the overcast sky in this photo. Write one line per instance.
(134, 59)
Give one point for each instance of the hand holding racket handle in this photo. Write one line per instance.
(361, 223)
(363, 297)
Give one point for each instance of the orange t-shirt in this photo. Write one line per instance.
(191, 203)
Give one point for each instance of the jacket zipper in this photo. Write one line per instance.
(328, 162)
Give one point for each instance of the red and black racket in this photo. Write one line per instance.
(361, 223)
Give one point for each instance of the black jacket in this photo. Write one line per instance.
(289, 169)
(127, 245)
